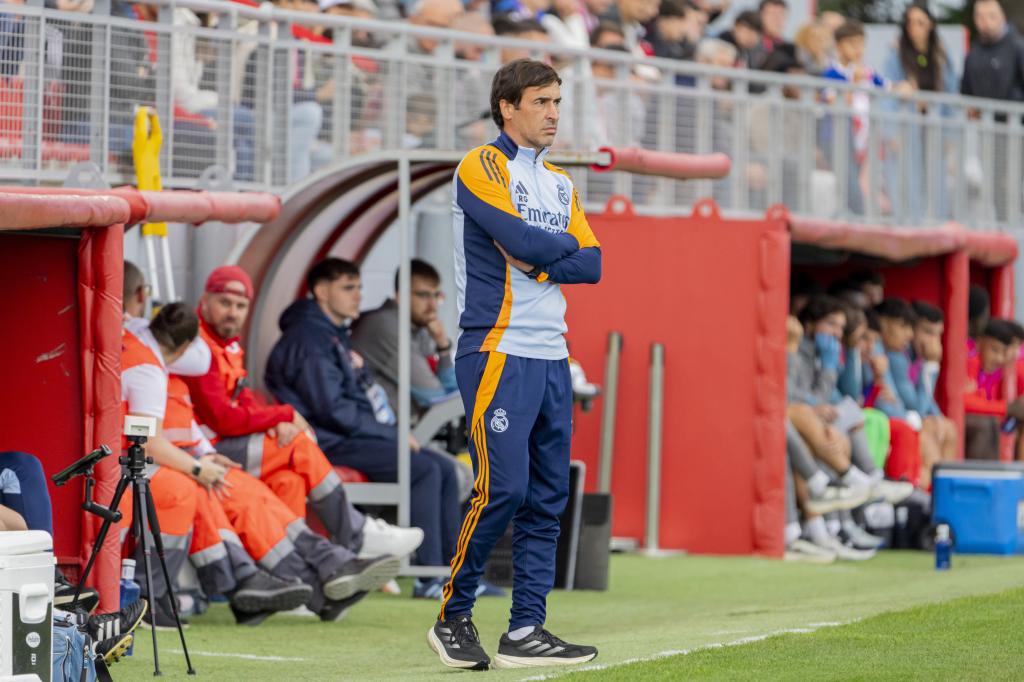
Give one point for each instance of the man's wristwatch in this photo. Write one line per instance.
(445, 349)
(535, 273)
(196, 470)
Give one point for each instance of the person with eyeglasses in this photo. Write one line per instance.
(375, 337)
(314, 368)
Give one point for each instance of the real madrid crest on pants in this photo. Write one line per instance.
(499, 422)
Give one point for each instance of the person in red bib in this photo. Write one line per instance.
(192, 525)
(300, 567)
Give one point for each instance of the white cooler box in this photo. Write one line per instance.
(26, 605)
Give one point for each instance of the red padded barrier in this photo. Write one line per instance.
(101, 274)
(31, 209)
(723, 447)
(665, 164)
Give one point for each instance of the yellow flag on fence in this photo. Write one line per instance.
(146, 143)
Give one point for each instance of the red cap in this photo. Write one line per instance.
(220, 280)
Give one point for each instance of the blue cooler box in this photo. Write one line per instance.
(983, 502)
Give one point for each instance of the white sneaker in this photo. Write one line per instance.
(837, 498)
(802, 551)
(892, 492)
(860, 538)
(844, 553)
(380, 538)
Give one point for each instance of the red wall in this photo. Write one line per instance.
(41, 404)
(715, 294)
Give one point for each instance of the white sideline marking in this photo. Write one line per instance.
(812, 627)
(248, 657)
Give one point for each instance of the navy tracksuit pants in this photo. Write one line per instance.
(519, 412)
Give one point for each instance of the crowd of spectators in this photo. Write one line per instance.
(863, 424)
(830, 46)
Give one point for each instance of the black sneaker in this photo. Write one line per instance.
(111, 650)
(361, 575)
(115, 625)
(457, 642)
(263, 592)
(64, 592)
(538, 648)
(334, 611)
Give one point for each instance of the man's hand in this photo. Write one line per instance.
(879, 366)
(826, 412)
(514, 262)
(284, 433)
(414, 445)
(356, 359)
(437, 332)
(211, 474)
(224, 461)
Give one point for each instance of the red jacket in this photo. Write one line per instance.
(980, 401)
(221, 405)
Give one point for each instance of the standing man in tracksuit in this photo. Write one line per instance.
(520, 233)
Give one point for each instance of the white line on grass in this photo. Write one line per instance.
(248, 657)
(812, 627)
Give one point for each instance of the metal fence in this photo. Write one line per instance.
(270, 96)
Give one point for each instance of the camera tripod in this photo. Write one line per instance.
(145, 528)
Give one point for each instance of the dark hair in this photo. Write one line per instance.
(862, 277)
(896, 309)
(978, 302)
(999, 330)
(872, 319)
(328, 270)
(819, 307)
(1016, 328)
(673, 9)
(928, 312)
(174, 326)
(606, 26)
(514, 78)
(750, 19)
(925, 69)
(851, 28)
(778, 3)
(133, 281)
(508, 25)
(422, 269)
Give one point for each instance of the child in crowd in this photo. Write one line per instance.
(985, 403)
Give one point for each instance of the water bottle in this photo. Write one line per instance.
(943, 548)
(129, 588)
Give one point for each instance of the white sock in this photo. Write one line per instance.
(876, 476)
(816, 531)
(834, 526)
(520, 633)
(817, 484)
(855, 478)
(792, 532)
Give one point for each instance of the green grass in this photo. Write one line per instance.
(652, 606)
(971, 638)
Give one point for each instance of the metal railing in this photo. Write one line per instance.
(271, 95)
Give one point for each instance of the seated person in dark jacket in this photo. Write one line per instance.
(313, 368)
